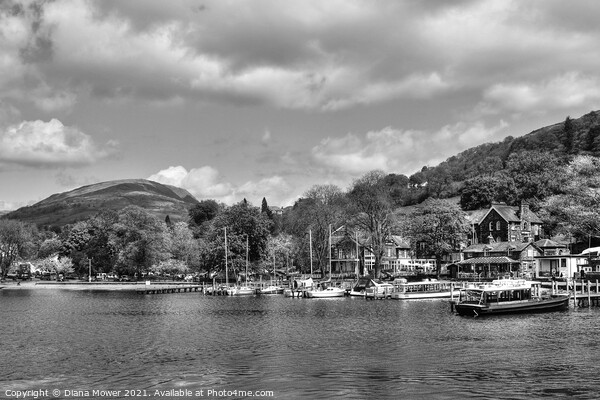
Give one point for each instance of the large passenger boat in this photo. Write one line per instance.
(508, 296)
(429, 289)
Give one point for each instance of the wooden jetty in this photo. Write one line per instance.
(589, 294)
(584, 293)
(161, 289)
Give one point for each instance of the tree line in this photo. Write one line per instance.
(132, 241)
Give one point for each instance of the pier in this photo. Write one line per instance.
(584, 293)
(161, 289)
(588, 296)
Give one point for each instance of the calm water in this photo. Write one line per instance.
(296, 348)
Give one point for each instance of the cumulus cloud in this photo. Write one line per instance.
(399, 151)
(206, 183)
(39, 143)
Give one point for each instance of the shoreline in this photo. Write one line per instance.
(79, 285)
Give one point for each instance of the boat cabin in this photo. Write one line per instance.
(500, 292)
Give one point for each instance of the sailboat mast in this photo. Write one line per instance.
(310, 246)
(226, 276)
(246, 260)
(330, 251)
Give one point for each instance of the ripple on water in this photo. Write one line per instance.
(298, 348)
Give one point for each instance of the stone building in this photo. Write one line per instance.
(504, 223)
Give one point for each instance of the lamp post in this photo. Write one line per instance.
(90, 269)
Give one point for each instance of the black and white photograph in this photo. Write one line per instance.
(299, 199)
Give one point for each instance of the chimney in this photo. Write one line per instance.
(524, 215)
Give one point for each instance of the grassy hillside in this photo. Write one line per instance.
(582, 137)
(79, 204)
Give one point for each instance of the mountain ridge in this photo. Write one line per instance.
(78, 204)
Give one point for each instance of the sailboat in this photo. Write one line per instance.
(324, 289)
(242, 290)
(272, 288)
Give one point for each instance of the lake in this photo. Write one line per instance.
(189, 345)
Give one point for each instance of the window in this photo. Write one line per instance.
(498, 225)
(491, 227)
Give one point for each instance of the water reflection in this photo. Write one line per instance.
(298, 348)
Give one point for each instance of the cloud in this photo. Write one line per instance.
(206, 183)
(399, 151)
(266, 137)
(203, 182)
(39, 144)
(275, 189)
(564, 91)
(313, 55)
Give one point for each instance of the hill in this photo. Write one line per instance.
(562, 140)
(79, 204)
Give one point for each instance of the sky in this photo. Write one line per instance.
(267, 98)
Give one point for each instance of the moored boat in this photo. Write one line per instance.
(508, 296)
(330, 291)
(241, 291)
(429, 289)
(368, 284)
(271, 289)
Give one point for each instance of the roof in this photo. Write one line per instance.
(399, 242)
(475, 216)
(497, 246)
(508, 213)
(545, 243)
(490, 260)
(591, 250)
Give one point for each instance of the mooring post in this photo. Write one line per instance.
(589, 295)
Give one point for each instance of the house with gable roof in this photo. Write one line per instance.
(498, 260)
(502, 243)
(504, 223)
(351, 257)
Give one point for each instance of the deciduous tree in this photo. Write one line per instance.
(320, 207)
(16, 240)
(141, 240)
(441, 226)
(371, 210)
(576, 211)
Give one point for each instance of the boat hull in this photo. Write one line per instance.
(241, 291)
(354, 293)
(326, 293)
(424, 295)
(555, 303)
(271, 290)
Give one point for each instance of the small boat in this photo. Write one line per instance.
(330, 291)
(271, 289)
(363, 285)
(241, 291)
(506, 296)
(429, 289)
(299, 286)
